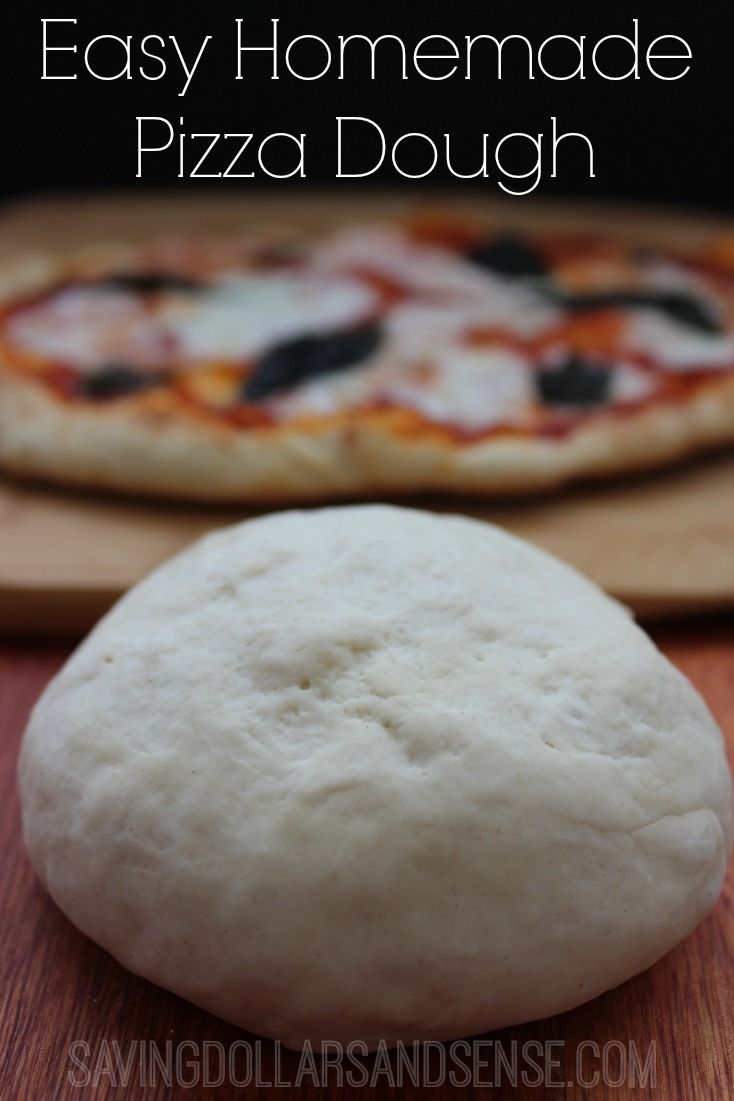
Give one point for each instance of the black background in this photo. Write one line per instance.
(656, 141)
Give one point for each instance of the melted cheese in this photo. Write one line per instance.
(677, 347)
(446, 295)
(87, 327)
(467, 387)
(423, 362)
(234, 319)
(631, 384)
(244, 315)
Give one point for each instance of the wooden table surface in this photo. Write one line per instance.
(58, 988)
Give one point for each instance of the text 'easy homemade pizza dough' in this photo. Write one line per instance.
(370, 773)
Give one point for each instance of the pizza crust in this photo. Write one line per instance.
(136, 448)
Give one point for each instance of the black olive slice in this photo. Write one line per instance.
(149, 282)
(575, 381)
(116, 380)
(509, 255)
(680, 307)
(294, 361)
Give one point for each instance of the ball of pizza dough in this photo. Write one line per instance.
(371, 773)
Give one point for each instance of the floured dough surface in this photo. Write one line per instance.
(370, 773)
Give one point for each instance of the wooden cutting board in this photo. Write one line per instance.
(662, 543)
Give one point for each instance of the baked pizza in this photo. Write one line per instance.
(430, 355)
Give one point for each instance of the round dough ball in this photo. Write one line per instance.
(371, 773)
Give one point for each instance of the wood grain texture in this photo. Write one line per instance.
(663, 544)
(58, 987)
